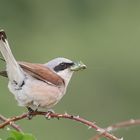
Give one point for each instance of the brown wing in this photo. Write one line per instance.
(40, 72)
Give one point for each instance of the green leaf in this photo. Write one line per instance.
(15, 135)
(10, 138)
(28, 137)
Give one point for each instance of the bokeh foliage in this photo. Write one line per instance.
(104, 35)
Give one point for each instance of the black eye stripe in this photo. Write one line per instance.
(62, 66)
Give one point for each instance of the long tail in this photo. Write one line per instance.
(15, 73)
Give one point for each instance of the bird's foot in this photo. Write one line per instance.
(48, 114)
(30, 111)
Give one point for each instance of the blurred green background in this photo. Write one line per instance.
(105, 35)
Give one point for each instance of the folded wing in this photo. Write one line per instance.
(40, 72)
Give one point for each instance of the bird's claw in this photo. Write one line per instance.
(30, 111)
(48, 114)
(29, 116)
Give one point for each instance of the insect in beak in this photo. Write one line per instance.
(78, 66)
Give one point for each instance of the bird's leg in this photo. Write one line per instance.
(48, 114)
(30, 111)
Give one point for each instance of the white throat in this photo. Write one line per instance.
(66, 75)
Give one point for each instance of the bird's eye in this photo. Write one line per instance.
(63, 64)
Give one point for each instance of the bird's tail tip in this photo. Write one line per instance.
(3, 36)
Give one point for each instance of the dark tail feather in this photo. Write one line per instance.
(3, 73)
(2, 59)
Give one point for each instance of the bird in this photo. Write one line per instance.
(37, 86)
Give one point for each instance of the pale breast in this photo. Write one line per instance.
(37, 93)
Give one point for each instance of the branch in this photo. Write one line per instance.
(66, 116)
(116, 126)
(12, 124)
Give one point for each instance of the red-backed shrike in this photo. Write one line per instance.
(37, 86)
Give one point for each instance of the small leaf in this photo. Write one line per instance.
(28, 137)
(10, 138)
(16, 135)
(21, 136)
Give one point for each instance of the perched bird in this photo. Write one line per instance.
(37, 86)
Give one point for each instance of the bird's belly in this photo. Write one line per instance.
(37, 94)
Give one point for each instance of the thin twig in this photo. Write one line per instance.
(66, 116)
(12, 124)
(116, 126)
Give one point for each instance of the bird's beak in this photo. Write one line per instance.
(78, 66)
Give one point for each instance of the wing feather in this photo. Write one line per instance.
(39, 71)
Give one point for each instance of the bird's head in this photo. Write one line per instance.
(65, 67)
